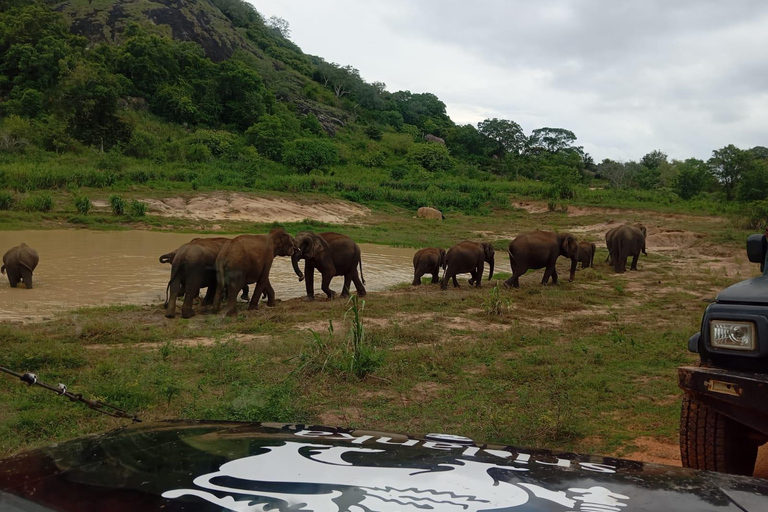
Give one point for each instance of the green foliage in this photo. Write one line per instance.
(271, 133)
(7, 200)
(755, 215)
(83, 205)
(37, 203)
(432, 157)
(138, 209)
(693, 178)
(374, 132)
(307, 154)
(729, 165)
(507, 136)
(364, 358)
(117, 203)
(754, 182)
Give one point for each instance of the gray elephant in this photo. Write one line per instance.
(248, 259)
(332, 254)
(468, 257)
(20, 262)
(428, 261)
(625, 241)
(612, 231)
(586, 254)
(540, 249)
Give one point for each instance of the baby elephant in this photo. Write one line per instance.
(586, 254)
(20, 262)
(428, 261)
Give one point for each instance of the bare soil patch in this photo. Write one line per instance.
(242, 207)
(654, 450)
(201, 341)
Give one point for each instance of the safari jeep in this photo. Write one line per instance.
(724, 417)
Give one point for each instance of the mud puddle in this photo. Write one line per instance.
(81, 268)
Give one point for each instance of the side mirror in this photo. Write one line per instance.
(756, 249)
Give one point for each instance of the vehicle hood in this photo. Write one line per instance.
(751, 291)
(215, 466)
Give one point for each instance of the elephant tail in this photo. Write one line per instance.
(511, 259)
(361, 271)
(174, 275)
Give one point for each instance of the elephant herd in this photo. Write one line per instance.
(226, 266)
(529, 251)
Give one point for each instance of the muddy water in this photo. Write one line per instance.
(87, 268)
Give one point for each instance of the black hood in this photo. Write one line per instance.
(751, 291)
(212, 466)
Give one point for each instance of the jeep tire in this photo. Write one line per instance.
(714, 442)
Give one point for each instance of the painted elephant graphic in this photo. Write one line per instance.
(322, 479)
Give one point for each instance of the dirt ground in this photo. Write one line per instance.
(234, 206)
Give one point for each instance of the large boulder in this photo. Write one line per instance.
(425, 212)
(431, 138)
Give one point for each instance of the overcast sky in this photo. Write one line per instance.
(627, 77)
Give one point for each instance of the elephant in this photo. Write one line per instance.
(428, 261)
(195, 266)
(586, 254)
(625, 241)
(20, 262)
(468, 257)
(433, 138)
(609, 237)
(333, 255)
(540, 249)
(248, 259)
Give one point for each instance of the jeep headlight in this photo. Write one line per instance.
(729, 335)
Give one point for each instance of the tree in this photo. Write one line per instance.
(553, 140)
(307, 154)
(432, 157)
(280, 25)
(507, 135)
(754, 182)
(654, 159)
(759, 152)
(728, 165)
(616, 173)
(271, 133)
(242, 93)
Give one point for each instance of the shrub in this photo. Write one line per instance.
(307, 154)
(83, 205)
(398, 173)
(756, 215)
(38, 203)
(376, 159)
(140, 145)
(198, 153)
(138, 209)
(432, 157)
(117, 203)
(374, 132)
(7, 200)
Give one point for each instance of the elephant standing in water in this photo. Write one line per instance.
(248, 259)
(468, 257)
(625, 241)
(428, 261)
(20, 262)
(587, 254)
(333, 255)
(540, 249)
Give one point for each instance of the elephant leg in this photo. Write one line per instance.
(634, 261)
(455, 281)
(417, 276)
(309, 279)
(232, 288)
(477, 277)
(270, 293)
(358, 283)
(326, 286)
(244, 295)
(345, 288)
(514, 280)
(13, 278)
(192, 291)
(210, 293)
(170, 308)
(435, 277)
(446, 278)
(547, 275)
(26, 276)
(554, 275)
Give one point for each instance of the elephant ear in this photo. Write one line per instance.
(443, 260)
(569, 247)
(489, 252)
(311, 245)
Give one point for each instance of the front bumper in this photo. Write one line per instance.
(742, 396)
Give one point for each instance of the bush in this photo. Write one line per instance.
(38, 203)
(307, 154)
(7, 200)
(138, 209)
(140, 145)
(374, 132)
(83, 205)
(117, 203)
(198, 153)
(397, 174)
(376, 159)
(756, 215)
(432, 157)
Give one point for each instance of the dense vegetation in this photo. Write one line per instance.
(144, 108)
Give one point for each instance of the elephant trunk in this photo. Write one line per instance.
(490, 272)
(574, 261)
(295, 261)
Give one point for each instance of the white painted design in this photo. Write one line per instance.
(464, 486)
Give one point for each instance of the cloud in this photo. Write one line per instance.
(685, 77)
